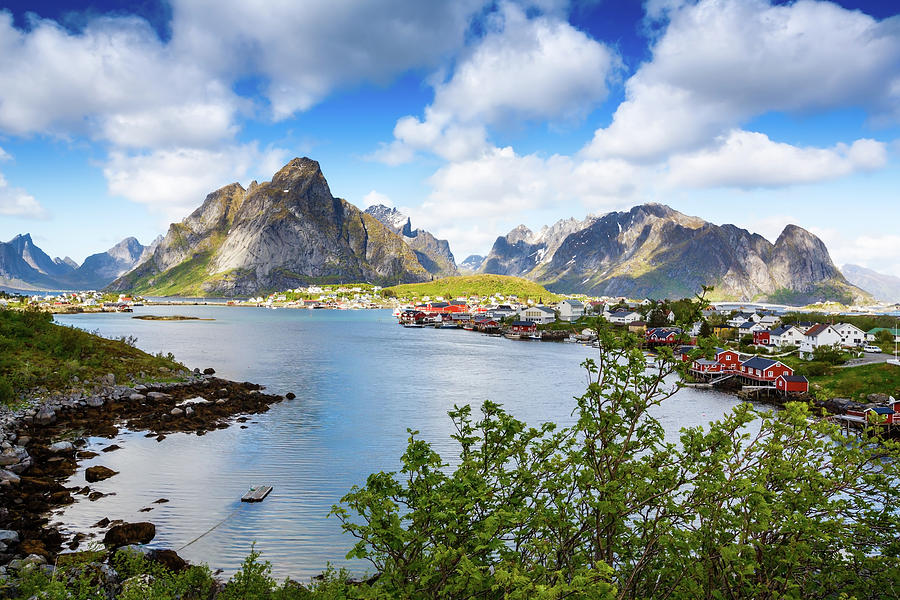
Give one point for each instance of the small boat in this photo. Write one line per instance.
(535, 336)
(414, 325)
(256, 493)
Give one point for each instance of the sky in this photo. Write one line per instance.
(117, 118)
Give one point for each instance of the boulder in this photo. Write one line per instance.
(95, 401)
(8, 536)
(290, 395)
(9, 476)
(169, 559)
(137, 397)
(176, 412)
(209, 371)
(45, 416)
(98, 473)
(129, 533)
(158, 396)
(61, 447)
(189, 411)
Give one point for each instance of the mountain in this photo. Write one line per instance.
(24, 266)
(884, 287)
(472, 263)
(433, 254)
(521, 250)
(274, 235)
(654, 251)
(98, 270)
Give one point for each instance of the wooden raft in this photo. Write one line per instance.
(256, 493)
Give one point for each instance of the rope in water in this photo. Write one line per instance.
(210, 530)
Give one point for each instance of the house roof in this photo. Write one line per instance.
(543, 309)
(758, 362)
(781, 330)
(794, 378)
(815, 330)
(894, 331)
(573, 303)
(705, 361)
(747, 325)
(522, 324)
(883, 410)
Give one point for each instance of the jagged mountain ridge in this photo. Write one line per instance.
(25, 266)
(654, 251)
(471, 264)
(521, 250)
(882, 286)
(273, 235)
(433, 254)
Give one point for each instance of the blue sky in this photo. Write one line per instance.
(117, 118)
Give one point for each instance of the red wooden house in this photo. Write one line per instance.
(877, 413)
(662, 335)
(730, 360)
(523, 327)
(764, 369)
(792, 384)
(762, 337)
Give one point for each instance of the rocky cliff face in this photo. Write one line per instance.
(274, 235)
(432, 253)
(521, 251)
(883, 287)
(654, 251)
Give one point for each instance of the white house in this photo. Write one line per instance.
(786, 335)
(769, 321)
(851, 335)
(622, 316)
(570, 309)
(818, 336)
(538, 314)
(741, 318)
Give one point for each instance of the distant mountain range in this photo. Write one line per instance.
(884, 287)
(656, 252)
(24, 266)
(291, 231)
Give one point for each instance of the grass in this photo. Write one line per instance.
(35, 352)
(858, 382)
(476, 285)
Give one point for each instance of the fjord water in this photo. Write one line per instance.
(360, 380)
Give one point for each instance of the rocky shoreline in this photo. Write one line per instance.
(41, 445)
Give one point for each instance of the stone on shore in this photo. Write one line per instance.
(61, 447)
(8, 536)
(45, 416)
(95, 401)
(129, 533)
(98, 473)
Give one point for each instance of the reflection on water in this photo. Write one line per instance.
(360, 381)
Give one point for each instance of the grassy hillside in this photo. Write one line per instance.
(35, 352)
(475, 285)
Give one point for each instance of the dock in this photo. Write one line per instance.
(256, 493)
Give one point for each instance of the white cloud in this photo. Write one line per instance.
(175, 182)
(16, 202)
(750, 159)
(374, 198)
(503, 189)
(522, 69)
(721, 62)
(305, 51)
(877, 251)
(115, 81)
(4, 155)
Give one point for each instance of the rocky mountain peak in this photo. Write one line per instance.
(392, 218)
(520, 234)
(297, 169)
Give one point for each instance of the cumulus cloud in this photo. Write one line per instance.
(114, 81)
(750, 159)
(522, 69)
(175, 182)
(880, 252)
(720, 62)
(305, 51)
(16, 202)
(504, 188)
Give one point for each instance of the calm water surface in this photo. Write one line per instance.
(361, 381)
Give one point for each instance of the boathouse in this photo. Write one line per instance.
(764, 369)
(792, 384)
(522, 327)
